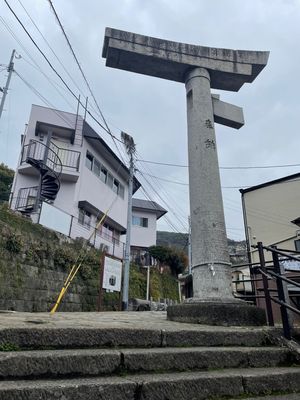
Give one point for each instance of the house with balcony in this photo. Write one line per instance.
(145, 215)
(67, 178)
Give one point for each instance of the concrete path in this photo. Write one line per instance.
(154, 320)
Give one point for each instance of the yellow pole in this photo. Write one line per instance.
(74, 270)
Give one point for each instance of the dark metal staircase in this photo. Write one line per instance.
(46, 161)
(50, 183)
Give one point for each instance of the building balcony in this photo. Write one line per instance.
(55, 157)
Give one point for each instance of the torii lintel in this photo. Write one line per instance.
(228, 69)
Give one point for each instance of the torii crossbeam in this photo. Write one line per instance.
(200, 69)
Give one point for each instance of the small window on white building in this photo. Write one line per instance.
(110, 180)
(84, 217)
(121, 191)
(139, 221)
(96, 167)
(116, 186)
(297, 245)
(89, 160)
(103, 174)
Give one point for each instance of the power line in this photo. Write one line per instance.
(186, 184)
(231, 167)
(59, 76)
(49, 46)
(84, 77)
(76, 60)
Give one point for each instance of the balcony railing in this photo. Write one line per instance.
(69, 158)
(56, 157)
(26, 198)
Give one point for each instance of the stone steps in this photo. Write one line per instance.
(139, 356)
(69, 338)
(99, 362)
(176, 386)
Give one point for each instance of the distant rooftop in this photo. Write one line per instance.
(149, 206)
(273, 182)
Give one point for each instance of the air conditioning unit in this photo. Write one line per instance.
(298, 234)
(103, 247)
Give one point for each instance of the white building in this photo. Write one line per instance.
(271, 214)
(81, 179)
(143, 232)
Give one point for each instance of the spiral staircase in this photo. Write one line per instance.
(45, 160)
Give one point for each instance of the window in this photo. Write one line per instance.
(84, 217)
(110, 180)
(96, 167)
(121, 191)
(99, 170)
(89, 160)
(103, 174)
(139, 221)
(116, 186)
(297, 245)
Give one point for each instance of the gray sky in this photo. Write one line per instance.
(153, 110)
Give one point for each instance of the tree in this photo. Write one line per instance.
(174, 258)
(6, 179)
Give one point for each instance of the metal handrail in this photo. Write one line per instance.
(44, 154)
(69, 158)
(277, 275)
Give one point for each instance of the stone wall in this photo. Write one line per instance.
(34, 263)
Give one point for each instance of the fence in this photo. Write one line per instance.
(266, 272)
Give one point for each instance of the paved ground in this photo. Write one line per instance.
(103, 320)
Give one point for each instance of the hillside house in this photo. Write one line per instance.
(145, 214)
(81, 178)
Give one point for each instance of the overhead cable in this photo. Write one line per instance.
(59, 76)
(231, 167)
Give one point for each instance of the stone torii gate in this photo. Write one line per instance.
(200, 69)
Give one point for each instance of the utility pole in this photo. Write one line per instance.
(190, 247)
(10, 69)
(130, 148)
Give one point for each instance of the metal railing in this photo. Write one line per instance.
(26, 198)
(274, 271)
(53, 156)
(69, 158)
(42, 153)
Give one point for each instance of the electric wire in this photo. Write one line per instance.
(59, 76)
(84, 76)
(165, 203)
(226, 168)
(169, 199)
(51, 49)
(10, 31)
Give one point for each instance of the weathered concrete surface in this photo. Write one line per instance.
(114, 388)
(95, 362)
(257, 382)
(211, 268)
(176, 386)
(126, 329)
(229, 69)
(227, 114)
(54, 363)
(217, 313)
(218, 337)
(182, 359)
(214, 384)
(294, 396)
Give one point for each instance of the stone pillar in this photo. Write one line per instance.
(211, 267)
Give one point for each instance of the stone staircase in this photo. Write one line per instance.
(136, 362)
